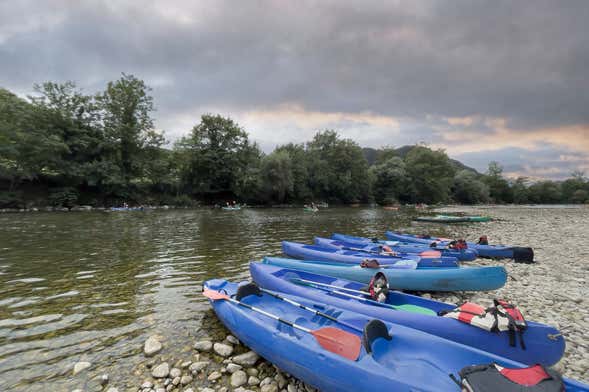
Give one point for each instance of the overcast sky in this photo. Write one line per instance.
(486, 80)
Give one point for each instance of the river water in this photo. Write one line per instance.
(92, 286)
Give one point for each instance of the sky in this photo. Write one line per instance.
(485, 80)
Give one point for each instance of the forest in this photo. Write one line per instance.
(61, 147)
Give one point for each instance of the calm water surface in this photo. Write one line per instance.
(93, 286)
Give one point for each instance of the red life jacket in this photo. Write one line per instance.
(378, 287)
(492, 377)
(499, 318)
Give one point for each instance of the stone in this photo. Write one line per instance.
(176, 381)
(247, 359)
(252, 372)
(112, 389)
(198, 366)
(185, 364)
(253, 381)
(233, 367)
(81, 366)
(269, 388)
(151, 346)
(214, 376)
(232, 339)
(147, 385)
(206, 390)
(222, 349)
(186, 379)
(238, 378)
(161, 371)
(175, 372)
(203, 345)
(189, 390)
(104, 379)
(291, 388)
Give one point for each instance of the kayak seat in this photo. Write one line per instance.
(247, 289)
(373, 330)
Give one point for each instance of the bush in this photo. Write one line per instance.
(63, 197)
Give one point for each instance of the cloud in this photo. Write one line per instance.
(443, 72)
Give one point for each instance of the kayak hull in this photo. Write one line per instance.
(406, 362)
(313, 252)
(539, 348)
(426, 279)
(491, 251)
(408, 247)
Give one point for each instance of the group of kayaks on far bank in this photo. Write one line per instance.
(336, 316)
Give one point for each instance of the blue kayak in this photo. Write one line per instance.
(493, 251)
(433, 256)
(404, 260)
(409, 247)
(543, 343)
(391, 357)
(423, 279)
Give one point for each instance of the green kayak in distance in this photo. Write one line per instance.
(453, 219)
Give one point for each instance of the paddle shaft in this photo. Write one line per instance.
(316, 312)
(372, 252)
(272, 316)
(406, 307)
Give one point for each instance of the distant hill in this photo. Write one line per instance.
(372, 154)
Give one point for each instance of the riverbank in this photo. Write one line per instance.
(94, 287)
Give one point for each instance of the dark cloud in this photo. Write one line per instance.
(520, 61)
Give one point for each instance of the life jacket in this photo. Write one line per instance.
(378, 287)
(458, 245)
(387, 250)
(369, 263)
(492, 378)
(499, 318)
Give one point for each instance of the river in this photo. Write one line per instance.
(92, 286)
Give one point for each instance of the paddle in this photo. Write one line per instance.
(316, 312)
(332, 339)
(371, 252)
(404, 307)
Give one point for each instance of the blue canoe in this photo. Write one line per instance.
(494, 251)
(409, 247)
(409, 361)
(404, 260)
(543, 343)
(425, 279)
(433, 255)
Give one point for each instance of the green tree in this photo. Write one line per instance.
(468, 189)
(390, 181)
(126, 114)
(521, 193)
(218, 154)
(299, 169)
(337, 168)
(431, 173)
(545, 192)
(277, 178)
(498, 186)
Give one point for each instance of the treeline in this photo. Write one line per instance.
(62, 147)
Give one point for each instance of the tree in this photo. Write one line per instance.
(498, 186)
(126, 115)
(545, 192)
(390, 181)
(218, 153)
(519, 189)
(468, 189)
(337, 168)
(431, 174)
(299, 169)
(277, 178)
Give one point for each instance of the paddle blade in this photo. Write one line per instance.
(338, 342)
(430, 254)
(214, 295)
